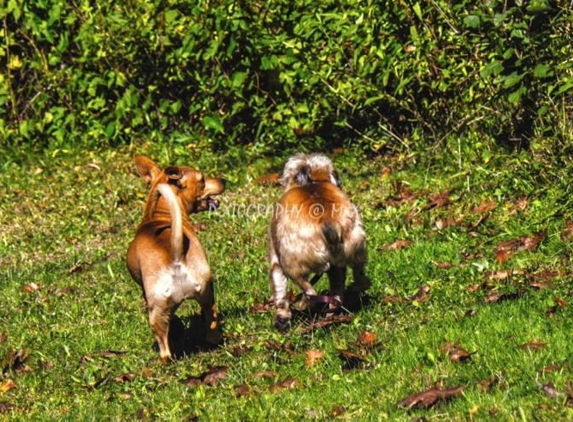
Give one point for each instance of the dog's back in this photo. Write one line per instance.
(316, 225)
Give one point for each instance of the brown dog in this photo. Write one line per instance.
(166, 258)
(314, 229)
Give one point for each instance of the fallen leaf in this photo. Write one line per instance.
(527, 243)
(3, 338)
(271, 179)
(473, 288)
(429, 397)
(551, 368)
(485, 206)
(266, 374)
(352, 360)
(238, 350)
(397, 245)
(533, 345)
(6, 407)
(495, 296)
(367, 339)
(199, 227)
(337, 411)
(550, 390)
(106, 354)
(330, 320)
(80, 266)
(261, 308)
(15, 360)
(286, 384)
(210, 377)
(214, 375)
(32, 287)
(313, 356)
(7, 385)
(242, 390)
(485, 385)
(568, 232)
(502, 256)
(443, 265)
(438, 200)
(421, 295)
(502, 274)
(123, 378)
(454, 352)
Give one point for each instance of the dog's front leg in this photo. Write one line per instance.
(279, 283)
(337, 279)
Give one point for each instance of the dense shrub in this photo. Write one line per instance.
(283, 73)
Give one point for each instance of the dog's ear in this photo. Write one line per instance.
(302, 176)
(174, 175)
(146, 168)
(335, 179)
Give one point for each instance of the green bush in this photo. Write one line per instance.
(283, 74)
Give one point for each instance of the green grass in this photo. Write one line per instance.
(65, 223)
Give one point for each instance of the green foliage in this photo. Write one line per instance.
(283, 74)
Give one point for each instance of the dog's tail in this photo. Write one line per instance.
(176, 220)
(332, 234)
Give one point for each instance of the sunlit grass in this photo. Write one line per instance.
(71, 307)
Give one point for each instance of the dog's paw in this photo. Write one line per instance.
(282, 324)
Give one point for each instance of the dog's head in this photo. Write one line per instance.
(303, 169)
(195, 191)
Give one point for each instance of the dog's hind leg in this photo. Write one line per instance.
(159, 319)
(361, 281)
(337, 278)
(210, 315)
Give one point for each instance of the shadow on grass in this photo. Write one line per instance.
(187, 336)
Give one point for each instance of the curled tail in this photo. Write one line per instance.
(176, 220)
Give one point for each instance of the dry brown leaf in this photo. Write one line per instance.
(123, 378)
(261, 308)
(454, 352)
(242, 390)
(534, 344)
(286, 384)
(485, 206)
(330, 320)
(337, 411)
(352, 360)
(438, 200)
(502, 274)
(550, 390)
(367, 339)
(485, 385)
(106, 354)
(443, 265)
(522, 243)
(568, 232)
(502, 256)
(7, 385)
(421, 295)
(271, 179)
(397, 245)
(32, 287)
(313, 356)
(6, 407)
(429, 397)
(266, 374)
(214, 375)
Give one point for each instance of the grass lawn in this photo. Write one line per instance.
(471, 271)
